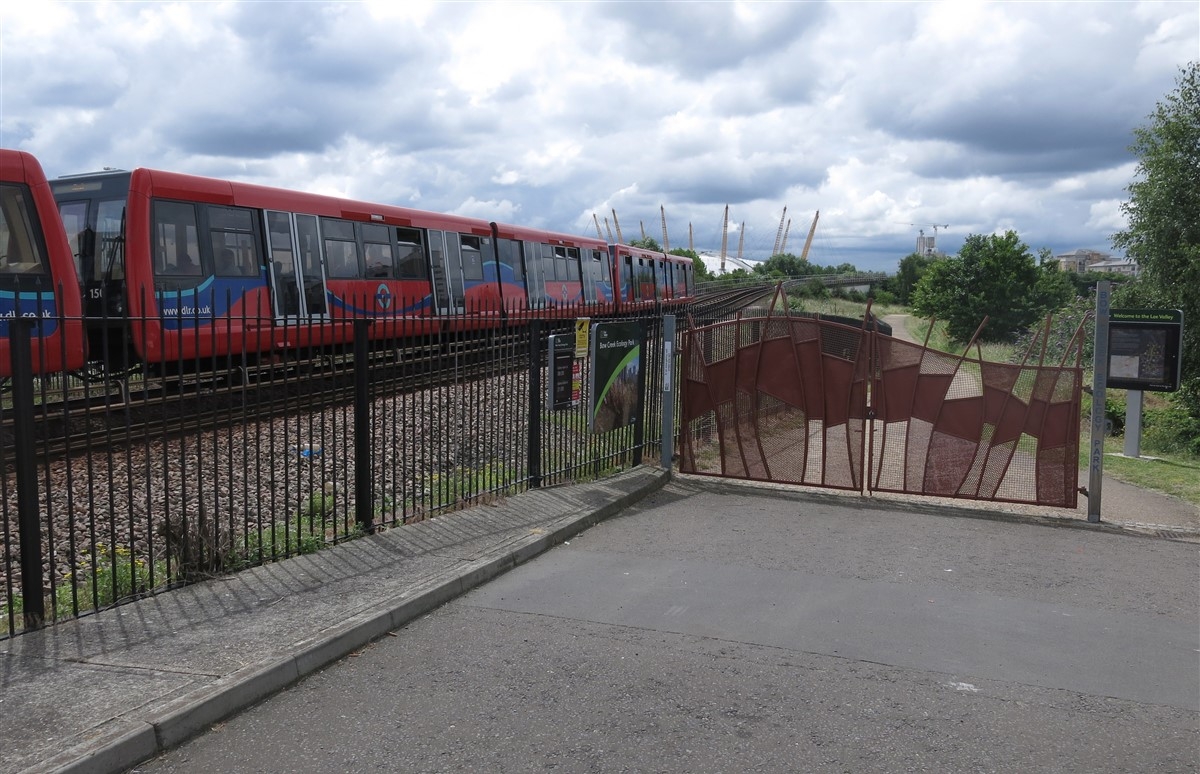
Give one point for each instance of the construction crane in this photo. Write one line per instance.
(927, 245)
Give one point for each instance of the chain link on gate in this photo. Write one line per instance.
(801, 400)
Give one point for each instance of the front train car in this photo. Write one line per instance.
(38, 278)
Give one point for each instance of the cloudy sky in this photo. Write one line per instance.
(887, 117)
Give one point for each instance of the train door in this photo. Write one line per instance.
(535, 276)
(470, 261)
(296, 277)
(92, 209)
(628, 282)
(511, 270)
(446, 272)
(95, 231)
(640, 278)
(595, 288)
(568, 272)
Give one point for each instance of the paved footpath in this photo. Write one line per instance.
(714, 627)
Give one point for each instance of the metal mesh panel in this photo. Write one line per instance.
(789, 397)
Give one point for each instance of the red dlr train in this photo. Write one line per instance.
(176, 268)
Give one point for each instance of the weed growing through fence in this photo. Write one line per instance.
(96, 586)
(460, 488)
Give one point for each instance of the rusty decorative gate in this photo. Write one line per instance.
(801, 400)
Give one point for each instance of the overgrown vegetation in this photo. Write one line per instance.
(1163, 235)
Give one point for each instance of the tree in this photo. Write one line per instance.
(992, 276)
(1163, 216)
(912, 267)
(646, 243)
(783, 265)
(701, 273)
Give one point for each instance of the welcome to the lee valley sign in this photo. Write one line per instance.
(1145, 349)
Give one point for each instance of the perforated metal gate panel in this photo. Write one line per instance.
(806, 401)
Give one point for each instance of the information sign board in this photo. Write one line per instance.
(1145, 349)
(565, 373)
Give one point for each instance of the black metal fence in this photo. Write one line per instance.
(131, 482)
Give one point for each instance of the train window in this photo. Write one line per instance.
(230, 219)
(547, 263)
(379, 260)
(341, 249)
(472, 257)
(176, 240)
(568, 263)
(377, 248)
(509, 256)
(74, 218)
(231, 232)
(279, 232)
(310, 247)
(341, 259)
(21, 252)
(373, 232)
(337, 229)
(234, 255)
(110, 243)
(410, 255)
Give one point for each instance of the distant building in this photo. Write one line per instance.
(712, 261)
(1080, 261)
(1124, 266)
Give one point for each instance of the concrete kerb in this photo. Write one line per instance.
(115, 749)
(932, 506)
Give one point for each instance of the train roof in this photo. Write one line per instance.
(20, 166)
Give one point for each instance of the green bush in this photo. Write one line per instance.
(1171, 430)
(1114, 412)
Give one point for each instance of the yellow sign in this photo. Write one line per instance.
(582, 325)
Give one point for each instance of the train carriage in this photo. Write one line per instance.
(562, 272)
(648, 277)
(38, 280)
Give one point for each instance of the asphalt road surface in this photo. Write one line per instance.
(727, 629)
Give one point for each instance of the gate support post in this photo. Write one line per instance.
(668, 390)
(363, 505)
(28, 520)
(1099, 380)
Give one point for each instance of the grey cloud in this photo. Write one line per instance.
(703, 38)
